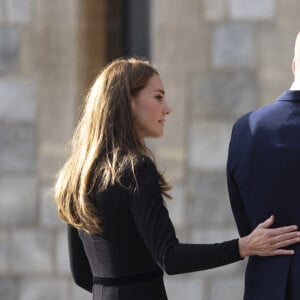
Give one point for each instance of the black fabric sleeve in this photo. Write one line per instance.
(79, 263)
(157, 231)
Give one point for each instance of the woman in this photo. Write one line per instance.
(110, 193)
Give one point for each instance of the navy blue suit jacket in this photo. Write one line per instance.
(263, 174)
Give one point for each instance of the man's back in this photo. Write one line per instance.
(264, 178)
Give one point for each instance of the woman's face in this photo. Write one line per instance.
(150, 108)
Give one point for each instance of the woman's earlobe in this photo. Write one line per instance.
(293, 66)
(133, 103)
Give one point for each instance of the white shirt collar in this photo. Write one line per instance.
(296, 85)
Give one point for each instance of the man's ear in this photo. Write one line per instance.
(294, 66)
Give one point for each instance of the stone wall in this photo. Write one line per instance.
(219, 59)
(43, 57)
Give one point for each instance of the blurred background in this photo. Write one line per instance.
(218, 59)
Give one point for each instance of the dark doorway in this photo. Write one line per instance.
(128, 28)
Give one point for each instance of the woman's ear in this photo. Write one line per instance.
(294, 66)
(133, 103)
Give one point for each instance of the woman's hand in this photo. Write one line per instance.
(264, 241)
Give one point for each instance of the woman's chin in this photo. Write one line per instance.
(156, 135)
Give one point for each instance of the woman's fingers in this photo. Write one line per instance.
(283, 252)
(267, 223)
(286, 243)
(281, 238)
(282, 230)
(276, 231)
(278, 242)
(294, 235)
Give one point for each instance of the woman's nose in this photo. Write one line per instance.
(167, 110)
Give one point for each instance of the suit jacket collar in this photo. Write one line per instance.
(290, 96)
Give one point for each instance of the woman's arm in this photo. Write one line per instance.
(156, 229)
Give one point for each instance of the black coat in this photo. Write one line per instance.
(137, 243)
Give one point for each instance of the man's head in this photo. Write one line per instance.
(296, 60)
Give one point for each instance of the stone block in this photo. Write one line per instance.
(33, 256)
(234, 46)
(169, 12)
(18, 202)
(172, 154)
(62, 253)
(17, 148)
(18, 100)
(2, 11)
(214, 10)
(19, 11)
(272, 84)
(208, 202)
(270, 90)
(226, 288)
(189, 34)
(57, 11)
(208, 145)
(8, 289)
(51, 159)
(210, 234)
(176, 206)
(189, 52)
(184, 287)
(48, 209)
(252, 10)
(57, 115)
(4, 247)
(79, 293)
(288, 11)
(236, 269)
(221, 95)
(213, 233)
(44, 288)
(9, 49)
(276, 49)
(56, 72)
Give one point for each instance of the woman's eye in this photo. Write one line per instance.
(159, 97)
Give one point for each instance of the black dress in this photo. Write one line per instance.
(138, 242)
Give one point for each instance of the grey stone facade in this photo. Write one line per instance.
(218, 59)
(37, 112)
(232, 57)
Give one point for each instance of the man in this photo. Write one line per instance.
(263, 173)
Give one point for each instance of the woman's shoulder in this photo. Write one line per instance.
(144, 162)
(143, 171)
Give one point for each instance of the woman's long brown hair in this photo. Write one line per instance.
(104, 143)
